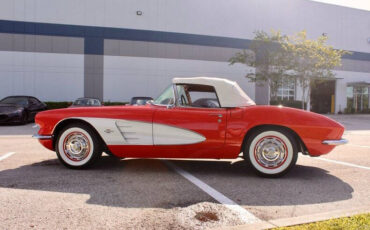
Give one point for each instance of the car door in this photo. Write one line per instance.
(190, 129)
(34, 107)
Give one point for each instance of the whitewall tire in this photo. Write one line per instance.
(78, 146)
(272, 152)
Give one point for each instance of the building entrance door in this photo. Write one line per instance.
(323, 96)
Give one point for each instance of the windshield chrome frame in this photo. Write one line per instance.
(175, 98)
(176, 103)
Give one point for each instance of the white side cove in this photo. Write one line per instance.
(125, 132)
(169, 135)
(136, 132)
(110, 131)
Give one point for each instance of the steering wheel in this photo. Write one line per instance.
(183, 100)
(211, 104)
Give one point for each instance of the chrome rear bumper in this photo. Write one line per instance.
(335, 142)
(42, 137)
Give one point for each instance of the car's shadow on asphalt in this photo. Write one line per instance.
(148, 183)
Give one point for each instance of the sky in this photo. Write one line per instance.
(358, 4)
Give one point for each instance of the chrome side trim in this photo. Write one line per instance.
(42, 137)
(335, 142)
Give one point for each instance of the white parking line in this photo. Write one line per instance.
(245, 216)
(6, 156)
(339, 162)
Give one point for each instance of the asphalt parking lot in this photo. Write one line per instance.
(36, 191)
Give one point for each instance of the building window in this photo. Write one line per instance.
(358, 98)
(286, 89)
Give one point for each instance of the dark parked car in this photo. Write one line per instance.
(86, 101)
(140, 100)
(19, 109)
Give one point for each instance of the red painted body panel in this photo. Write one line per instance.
(224, 138)
(211, 123)
(47, 143)
(312, 128)
(49, 119)
(202, 121)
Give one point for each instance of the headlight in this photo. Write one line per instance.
(16, 111)
(20, 110)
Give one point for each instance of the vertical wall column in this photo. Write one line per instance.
(94, 68)
(262, 94)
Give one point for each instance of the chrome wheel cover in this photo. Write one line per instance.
(76, 146)
(270, 152)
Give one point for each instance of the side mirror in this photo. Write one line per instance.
(170, 106)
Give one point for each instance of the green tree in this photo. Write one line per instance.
(268, 57)
(278, 56)
(310, 60)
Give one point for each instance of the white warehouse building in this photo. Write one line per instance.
(116, 49)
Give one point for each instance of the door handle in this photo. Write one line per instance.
(215, 114)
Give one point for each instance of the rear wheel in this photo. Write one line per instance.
(78, 146)
(272, 152)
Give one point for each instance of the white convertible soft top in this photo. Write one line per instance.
(229, 92)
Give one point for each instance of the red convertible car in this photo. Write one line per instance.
(193, 118)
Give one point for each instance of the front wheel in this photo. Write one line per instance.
(78, 146)
(24, 118)
(271, 152)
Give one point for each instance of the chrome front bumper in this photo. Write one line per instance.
(335, 142)
(42, 137)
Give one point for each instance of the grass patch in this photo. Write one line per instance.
(356, 222)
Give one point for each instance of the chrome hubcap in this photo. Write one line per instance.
(270, 152)
(76, 146)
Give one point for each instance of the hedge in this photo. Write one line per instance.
(350, 110)
(57, 104)
(65, 104)
(288, 103)
(107, 103)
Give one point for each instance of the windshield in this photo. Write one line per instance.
(86, 101)
(22, 101)
(166, 98)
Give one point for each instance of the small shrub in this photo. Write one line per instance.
(57, 104)
(350, 110)
(288, 103)
(365, 111)
(108, 103)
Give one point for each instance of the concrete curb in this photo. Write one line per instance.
(301, 219)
